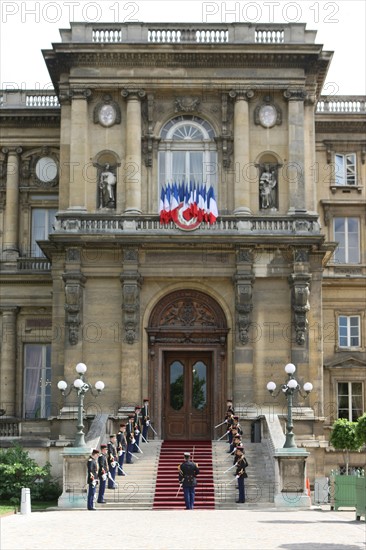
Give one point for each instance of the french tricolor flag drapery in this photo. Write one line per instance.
(193, 201)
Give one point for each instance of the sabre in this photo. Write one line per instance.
(180, 486)
(218, 425)
(122, 470)
(138, 448)
(231, 467)
(111, 478)
(144, 439)
(152, 429)
(225, 434)
(134, 456)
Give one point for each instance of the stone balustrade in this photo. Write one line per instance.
(233, 33)
(341, 104)
(227, 225)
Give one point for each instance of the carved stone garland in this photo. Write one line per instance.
(74, 284)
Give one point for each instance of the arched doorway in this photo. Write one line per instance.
(187, 365)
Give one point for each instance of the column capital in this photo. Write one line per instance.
(295, 94)
(80, 93)
(12, 150)
(133, 93)
(9, 310)
(239, 95)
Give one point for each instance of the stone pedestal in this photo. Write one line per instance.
(290, 478)
(74, 477)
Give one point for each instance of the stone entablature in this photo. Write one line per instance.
(47, 99)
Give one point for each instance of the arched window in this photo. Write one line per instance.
(187, 152)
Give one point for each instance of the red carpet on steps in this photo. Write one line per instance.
(167, 484)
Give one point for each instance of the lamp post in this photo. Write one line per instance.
(81, 387)
(289, 388)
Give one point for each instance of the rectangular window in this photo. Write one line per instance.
(42, 225)
(350, 400)
(345, 169)
(37, 380)
(346, 233)
(349, 331)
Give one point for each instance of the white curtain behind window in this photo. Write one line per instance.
(32, 376)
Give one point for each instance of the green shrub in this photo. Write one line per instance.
(18, 470)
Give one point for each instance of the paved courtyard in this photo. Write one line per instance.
(190, 530)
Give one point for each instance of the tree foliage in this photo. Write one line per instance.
(361, 428)
(345, 437)
(18, 470)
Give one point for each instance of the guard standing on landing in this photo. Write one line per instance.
(188, 472)
(92, 478)
(241, 474)
(103, 472)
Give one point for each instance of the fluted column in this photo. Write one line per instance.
(78, 148)
(133, 162)
(11, 220)
(241, 152)
(8, 360)
(295, 166)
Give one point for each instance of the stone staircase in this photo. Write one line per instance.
(259, 486)
(136, 490)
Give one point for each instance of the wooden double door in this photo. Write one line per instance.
(187, 395)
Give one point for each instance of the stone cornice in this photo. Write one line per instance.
(353, 124)
(33, 118)
(308, 57)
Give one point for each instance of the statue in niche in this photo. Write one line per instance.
(267, 191)
(107, 188)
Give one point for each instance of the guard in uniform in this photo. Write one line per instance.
(187, 473)
(121, 448)
(92, 480)
(241, 474)
(130, 436)
(137, 428)
(112, 461)
(102, 472)
(145, 420)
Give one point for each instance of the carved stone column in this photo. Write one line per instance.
(8, 360)
(243, 280)
(131, 282)
(74, 285)
(78, 148)
(133, 162)
(241, 152)
(11, 221)
(295, 166)
(300, 287)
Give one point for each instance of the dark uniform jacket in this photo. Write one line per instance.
(103, 465)
(241, 464)
(145, 414)
(130, 431)
(188, 472)
(121, 441)
(112, 453)
(92, 470)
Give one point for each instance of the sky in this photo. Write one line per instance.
(27, 27)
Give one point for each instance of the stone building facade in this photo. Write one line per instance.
(187, 313)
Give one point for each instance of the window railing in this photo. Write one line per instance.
(33, 264)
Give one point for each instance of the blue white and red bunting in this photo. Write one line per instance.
(187, 205)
